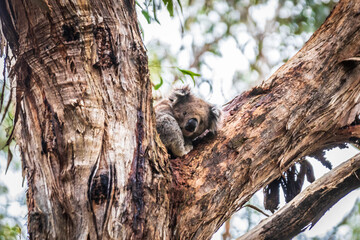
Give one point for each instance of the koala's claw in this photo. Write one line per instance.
(188, 148)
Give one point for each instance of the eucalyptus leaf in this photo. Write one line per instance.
(190, 73)
(181, 9)
(146, 15)
(157, 86)
(169, 6)
(9, 159)
(155, 15)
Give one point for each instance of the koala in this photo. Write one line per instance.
(182, 117)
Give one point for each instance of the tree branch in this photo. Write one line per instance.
(265, 130)
(86, 130)
(310, 205)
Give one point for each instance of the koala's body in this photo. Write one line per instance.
(182, 117)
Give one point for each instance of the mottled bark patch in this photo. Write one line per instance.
(237, 141)
(256, 121)
(141, 60)
(100, 189)
(40, 224)
(70, 33)
(104, 48)
(52, 134)
(258, 91)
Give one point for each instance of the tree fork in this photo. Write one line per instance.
(311, 102)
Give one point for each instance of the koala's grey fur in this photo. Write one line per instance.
(182, 117)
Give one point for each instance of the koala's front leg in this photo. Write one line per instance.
(179, 148)
(171, 135)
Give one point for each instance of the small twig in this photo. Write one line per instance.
(257, 209)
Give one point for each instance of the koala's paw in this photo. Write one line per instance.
(181, 150)
(188, 148)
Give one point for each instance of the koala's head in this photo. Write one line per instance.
(193, 114)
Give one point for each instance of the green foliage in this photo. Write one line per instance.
(157, 86)
(8, 232)
(149, 8)
(189, 73)
(146, 15)
(9, 227)
(257, 32)
(309, 15)
(266, 33)
(170, 6)
(6, 123)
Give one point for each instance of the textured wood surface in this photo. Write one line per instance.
(308, 104)
(309, 206)
(96, 168)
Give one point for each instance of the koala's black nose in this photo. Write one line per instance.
(191, 125)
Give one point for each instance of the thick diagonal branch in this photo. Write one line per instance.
(308, 207)
(299, 110)
(86, 131)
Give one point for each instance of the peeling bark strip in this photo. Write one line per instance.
(52, 138)
(105, 121)
(308, 207)
(137, 179)
(291, 183)
(100, 187)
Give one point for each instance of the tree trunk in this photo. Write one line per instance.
(95, 166)
(86, 127)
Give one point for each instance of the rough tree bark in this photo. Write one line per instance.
(85, 121)
(95, 166)
(309, 206)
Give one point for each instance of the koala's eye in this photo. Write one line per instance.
(184, 113)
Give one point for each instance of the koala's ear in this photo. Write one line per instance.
(214, 118)
(179, 94)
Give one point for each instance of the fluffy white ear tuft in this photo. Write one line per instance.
(179, 94)
(214, 118)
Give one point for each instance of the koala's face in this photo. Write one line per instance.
(193, 114)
